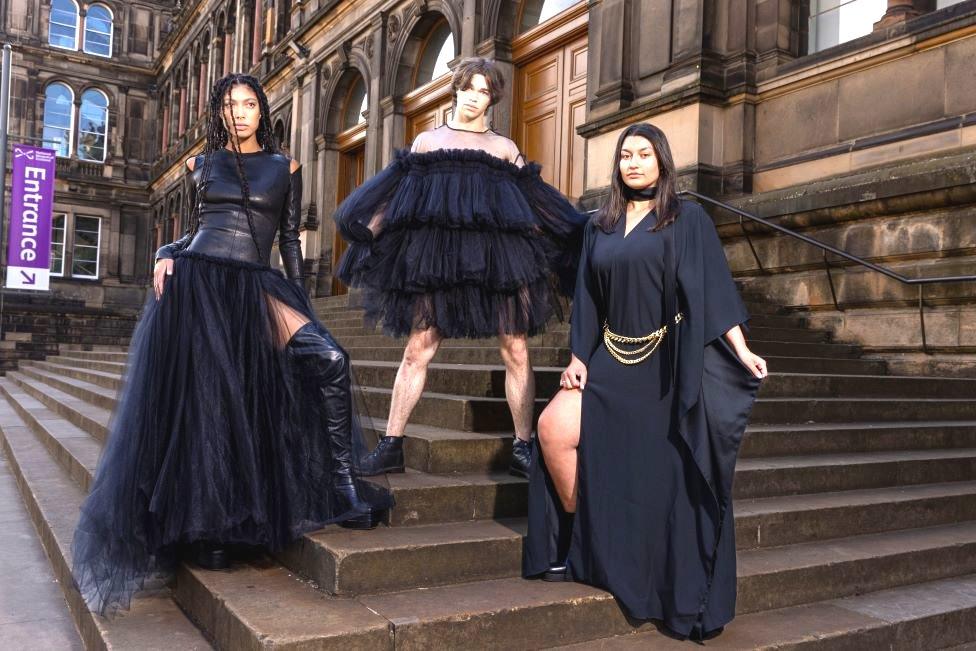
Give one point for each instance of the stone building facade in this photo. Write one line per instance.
(83, 83)
(854, 123)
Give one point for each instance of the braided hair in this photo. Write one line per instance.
(217, 139)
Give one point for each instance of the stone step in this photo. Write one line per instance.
(260, 605)
(820, 473)
(486, 414)
(437, 450)
(932, 615)
(826, 438)
(53, 500)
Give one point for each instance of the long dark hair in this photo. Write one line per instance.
(217, 139)
(667, 203)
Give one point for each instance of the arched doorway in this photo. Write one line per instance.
(353, 100)
(428, 104)
(550, 55)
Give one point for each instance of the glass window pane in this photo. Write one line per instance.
(63, 24)
(90, 224)
(57, 244)
(84, 268)
(58, 140)
(535, 12)
(444, 56)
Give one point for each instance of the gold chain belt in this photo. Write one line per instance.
(646, 344)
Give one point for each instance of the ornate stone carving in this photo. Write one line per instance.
(393, 28)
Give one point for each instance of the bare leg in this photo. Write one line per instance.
(559, 433)
(287, 321)
(411, 377)
(519, 383)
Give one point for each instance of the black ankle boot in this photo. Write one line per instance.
(521, 458)
(210, 556)
(322, 361)
(386, 457)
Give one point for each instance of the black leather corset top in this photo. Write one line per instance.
(224, 231)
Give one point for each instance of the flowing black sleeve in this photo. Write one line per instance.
(166, 251)
(289, 240)
(584, 328)
(359, 217)
(724, 308)
(560, 222)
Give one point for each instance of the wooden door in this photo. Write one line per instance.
(428, 118)
(550, 103)
(352, 169)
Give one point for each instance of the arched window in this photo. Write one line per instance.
(356, 104)
(536, 12)
(63, 26)
(438, 52)
(59, 108)
(98, 31)
(93, 126)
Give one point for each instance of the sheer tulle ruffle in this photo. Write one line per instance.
(215, 437)
(466, 242)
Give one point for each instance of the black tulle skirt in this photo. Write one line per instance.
(468, 243)
(214, 438)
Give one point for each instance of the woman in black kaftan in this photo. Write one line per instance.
(659, 436)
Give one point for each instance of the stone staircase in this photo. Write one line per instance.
(34, 326)
(855, 513)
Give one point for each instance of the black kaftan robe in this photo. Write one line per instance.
(656, 457)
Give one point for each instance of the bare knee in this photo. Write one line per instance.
(421, 348)
(514, 350)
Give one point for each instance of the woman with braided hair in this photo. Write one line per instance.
(235, 424)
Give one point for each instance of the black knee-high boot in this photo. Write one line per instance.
(323, 362)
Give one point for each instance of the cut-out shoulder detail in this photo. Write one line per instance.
(191, 163)
(293, 165)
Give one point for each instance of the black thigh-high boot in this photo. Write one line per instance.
(322, 361)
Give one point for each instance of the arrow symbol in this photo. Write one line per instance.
(29, 279)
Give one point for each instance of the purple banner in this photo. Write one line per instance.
(31, 203)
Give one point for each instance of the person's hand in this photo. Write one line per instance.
(574, 377)
(163, 268)
(753, 362)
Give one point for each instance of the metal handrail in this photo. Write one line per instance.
(827, 248)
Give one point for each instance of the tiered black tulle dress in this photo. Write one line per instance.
(465, 241)
(219, 434)
(654, 522)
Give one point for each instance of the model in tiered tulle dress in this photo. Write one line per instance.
(460, 238)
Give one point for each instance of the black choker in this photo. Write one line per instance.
(644, 194)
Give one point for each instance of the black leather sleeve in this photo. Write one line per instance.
(166, 251)
(289, 242)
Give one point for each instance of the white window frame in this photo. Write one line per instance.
(74, 247)
(104, 135)
(111, 31)
(64, 230)
(50, 22)
(71, 116)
